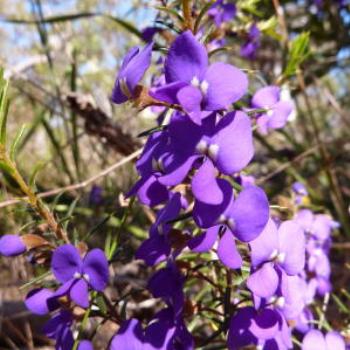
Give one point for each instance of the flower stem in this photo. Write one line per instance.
(35, 202)
(187, 10)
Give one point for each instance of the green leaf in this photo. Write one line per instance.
(38, 167)
(101, 304)
(201, 14)
(171, 12)
(18, 138)
(299, 51)
(4, 106)
(6, 169)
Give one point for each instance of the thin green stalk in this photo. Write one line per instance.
(35, 202)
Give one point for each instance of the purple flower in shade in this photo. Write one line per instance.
(167, 283)
(222, 11)
(243, 218)
(148, 189)
(163, 333)
(149, 32)
(96, 195)
(275, 253)
(59, 328)
(252, 44)
(167, 331)
(195, 85)
(12, 245)
(78, 274)
(158, 246)
(264, 328)
(315, 340)
(278, 110)
(133, 68)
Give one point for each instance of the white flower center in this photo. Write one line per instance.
(203, 86)
(280, 302)
(274, 254)
(231, 224)
(222, 219)
(202, 146)
(281, 257)
(195, 82)
(213, 151)
(86, 277)
(77, 275)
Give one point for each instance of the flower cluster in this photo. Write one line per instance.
(190, 167)
(191, 172)
(79, 277)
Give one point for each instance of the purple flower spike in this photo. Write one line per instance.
(78, 275)
(278, 110)
(11, 245)
(132, 70)
(195, 85)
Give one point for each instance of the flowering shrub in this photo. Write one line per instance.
(267, 269)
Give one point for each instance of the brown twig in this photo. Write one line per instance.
(187, 10)
(76, 186)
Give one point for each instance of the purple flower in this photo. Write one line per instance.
(149, 32)
(129, 336)
(195, 85)
(169, 156)
(315, 340)
(278, 110)
(164, 333)
(59, 328)
(275, 252)
(85, 345)
(300, 192)
(12, 245)
(158, 246)
(252, 44)
(167, 283)
(96, 195)
(243, 218)
(133, 68)
(77, 274)
(41, 301)
(222, 11)
(265, 328)
(167, 331)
